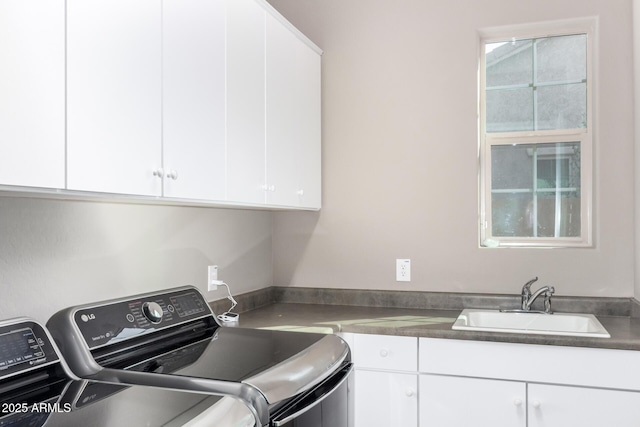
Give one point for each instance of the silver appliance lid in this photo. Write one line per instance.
(171, 339)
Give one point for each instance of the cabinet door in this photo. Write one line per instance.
(309, 128)
(293, 118)
(114, 96)
(281, 138)
(32, 127)
(561, 406)
(193, 75)
(245, 102)
(462, 402)
(385, 399)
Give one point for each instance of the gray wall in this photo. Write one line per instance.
(59, 253)
(400, 152)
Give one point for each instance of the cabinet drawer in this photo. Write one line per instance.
(385, 352)
(589, 367)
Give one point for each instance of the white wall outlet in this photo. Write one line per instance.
(403, 270)
(212, 277)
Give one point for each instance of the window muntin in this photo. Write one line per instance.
(535, 140)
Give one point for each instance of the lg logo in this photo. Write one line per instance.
(86, 318)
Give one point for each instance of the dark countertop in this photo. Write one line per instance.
(431, 323)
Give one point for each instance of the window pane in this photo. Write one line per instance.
(536, 84)
(512, 215)
(509, 63)
(562, 106)
(511, 167)
(558, 166)
(568, 211)
(509, 110)
(561, 59)
(535, 190)
(553, 172)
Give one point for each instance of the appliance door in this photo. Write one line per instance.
(329, 404)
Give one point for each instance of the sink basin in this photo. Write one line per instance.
(570, 324)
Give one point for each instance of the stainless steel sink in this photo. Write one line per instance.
(570, 324)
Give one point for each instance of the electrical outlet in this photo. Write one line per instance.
(212, 277)
(403, 270)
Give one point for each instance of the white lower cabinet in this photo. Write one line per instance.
(386, 380)
(462, 402)
(477, 383)
(458, 383)
(385, 399)
(561, 406)
(448, 401)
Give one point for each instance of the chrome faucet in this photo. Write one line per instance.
(528, 298)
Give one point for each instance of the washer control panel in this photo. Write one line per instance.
(117, 321)
(24, 346)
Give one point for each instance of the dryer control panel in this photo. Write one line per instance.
(115, 322)
(24, 346)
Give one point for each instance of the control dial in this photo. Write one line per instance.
(152, 311)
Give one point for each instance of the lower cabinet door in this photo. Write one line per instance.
(463, 402)
(385, 399)
(561, 406)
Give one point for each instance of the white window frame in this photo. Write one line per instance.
(584, 136)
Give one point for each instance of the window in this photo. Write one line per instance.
(535, 135)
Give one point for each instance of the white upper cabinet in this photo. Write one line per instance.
(281, 138)
(205, 101)
(273, 111)
(309, 128)
(114, 94)
(293, 118)
(245, 102)
(32, 131)
(193, 82)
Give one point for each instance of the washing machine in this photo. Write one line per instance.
(37, 389)
(172, 340)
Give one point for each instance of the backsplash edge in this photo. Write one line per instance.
(603, 306)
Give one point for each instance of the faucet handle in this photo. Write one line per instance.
(525, 294)
(526, 289)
